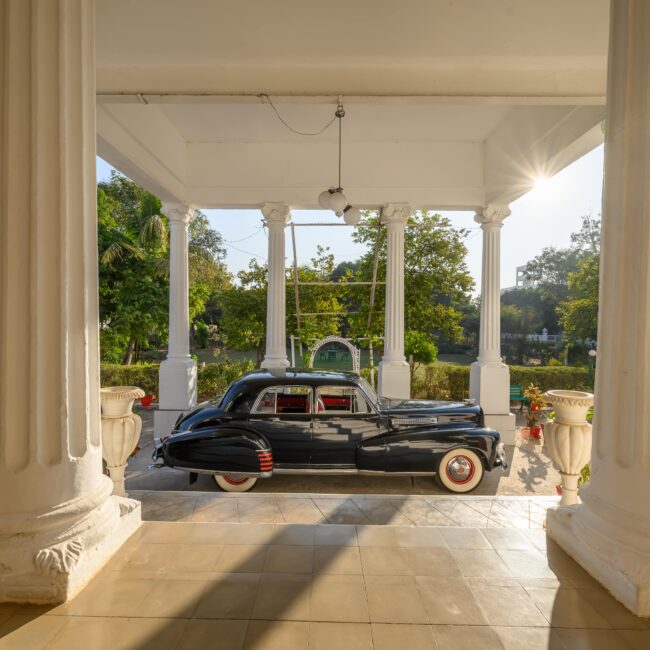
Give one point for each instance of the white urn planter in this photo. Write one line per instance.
(568, 437)
(120, 430)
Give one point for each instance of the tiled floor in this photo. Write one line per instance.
(413, 510)
(227, 586)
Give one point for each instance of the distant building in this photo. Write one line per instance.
(522, 280)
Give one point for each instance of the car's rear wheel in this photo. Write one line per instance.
(235, 482)
(460, 471)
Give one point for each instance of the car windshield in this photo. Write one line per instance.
(369, 391)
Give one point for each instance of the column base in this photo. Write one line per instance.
(177, 384)
(164, 421)
(54, 559)
(275, 363)
(612, 547)
(505, 425)
(394, 380)
(489, 386)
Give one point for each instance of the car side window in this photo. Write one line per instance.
(333, 400)
(283, 400)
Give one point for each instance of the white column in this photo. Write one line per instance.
(489, 376)
(609, 533)
(276, 217)
(177, 385)
(58, 522)
(394, 371)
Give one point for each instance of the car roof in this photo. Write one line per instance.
(308, 376)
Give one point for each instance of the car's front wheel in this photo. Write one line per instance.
(235, 482)
(460, 471)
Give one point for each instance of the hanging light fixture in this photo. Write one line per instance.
(333, 198)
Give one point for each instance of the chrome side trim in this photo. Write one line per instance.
(210, 471)
(344, 472)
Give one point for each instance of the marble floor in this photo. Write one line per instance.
(410, 510)
(229, 586)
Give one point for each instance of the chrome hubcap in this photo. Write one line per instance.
(460, 469)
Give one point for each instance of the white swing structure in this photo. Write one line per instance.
(316, 346)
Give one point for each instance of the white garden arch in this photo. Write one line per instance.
(354, 351)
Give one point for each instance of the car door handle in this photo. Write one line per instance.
(274, 419)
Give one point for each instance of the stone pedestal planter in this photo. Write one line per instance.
(120, 430)
(568, 437)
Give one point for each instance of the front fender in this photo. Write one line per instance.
(421, 450)
(219, 450)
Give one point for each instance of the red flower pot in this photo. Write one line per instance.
(558, 489)
(536, 431)
(146, 401)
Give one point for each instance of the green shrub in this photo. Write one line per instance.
(142, 375)
(213, 378)
(451, 381)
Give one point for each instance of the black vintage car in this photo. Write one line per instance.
(318, 422)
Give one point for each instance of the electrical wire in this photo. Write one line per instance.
(236, 241)
(275, 110)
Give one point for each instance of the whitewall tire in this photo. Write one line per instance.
(460, 471)
(235, 482)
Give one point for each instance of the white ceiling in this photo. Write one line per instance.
(450, 103)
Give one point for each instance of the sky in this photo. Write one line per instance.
(544, 217)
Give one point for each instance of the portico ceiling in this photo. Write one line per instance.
(450, 104)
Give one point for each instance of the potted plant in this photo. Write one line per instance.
(534, 410)
(147, 401)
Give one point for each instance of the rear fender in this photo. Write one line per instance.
(223, 450)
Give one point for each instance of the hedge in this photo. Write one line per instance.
(451, 381)
(213, 378)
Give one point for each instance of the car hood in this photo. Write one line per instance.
(412, 407)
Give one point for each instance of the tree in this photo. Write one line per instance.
(436, 278)
(419, 349)
(579, 313)
(133, 242)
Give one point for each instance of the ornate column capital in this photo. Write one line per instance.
(178, 212)
(395, 214)
(492, 216)
(276, 214)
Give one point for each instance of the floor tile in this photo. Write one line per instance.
(508, 539)
(530, 638)
(463, 515)
(289, 559)
(230, 597)
(209, 509)
(204, 633)
(636, 639)
(337, 559)
(336, 535)
(277, 635)
(618, 616)
(341, 511)
(401, 637)
(465, 538)
(579, 639)
(119, 597)
(298, 510)
(480, 563)
(338, 601)
(452, 605)
(294, 534)
(382, 560)
(252, 534)
(98, 633)
(414, 537)
(258, 511)
(463, 637)
(508, 606)
(241, 559)
(23, 631)
(389, 603)
(527, 564)
(351, 636)
(377, 535)
(431, 562)
(173, 598)
(566, 607)
(381, 512)
(283, 600)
